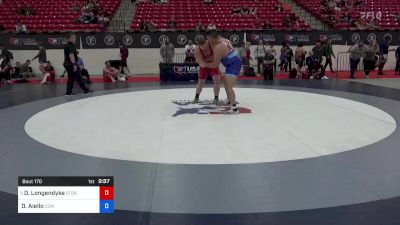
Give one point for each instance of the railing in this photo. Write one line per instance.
(343, 62)
(179, 57)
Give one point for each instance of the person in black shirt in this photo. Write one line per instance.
(5, 69)
(41, 54)
(268, 66)
(42, 58)
(70, 65)
(6, 52)
(397, 70)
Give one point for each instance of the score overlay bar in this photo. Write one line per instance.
(65, 195)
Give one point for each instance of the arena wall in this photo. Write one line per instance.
(141, 60)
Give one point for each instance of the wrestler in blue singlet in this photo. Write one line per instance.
(232, 61)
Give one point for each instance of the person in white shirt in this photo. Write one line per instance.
(21, 28)
(212, 26)
(272, 50)
(259, 53)
(189, 52)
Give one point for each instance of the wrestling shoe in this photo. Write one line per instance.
(195, 101)
(217, 102)
(232, 111)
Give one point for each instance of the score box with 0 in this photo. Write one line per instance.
(65, 195)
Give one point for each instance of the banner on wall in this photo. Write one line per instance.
(367, 37)
(293, 38)
(149, 39)
(30, 41)
(180, 39)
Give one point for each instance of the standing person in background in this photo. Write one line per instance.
(383, 56)
(290, 57)
(284, 57)
(328, 53)
(242, 53)
(124, 53)
(189, 52)
(84, 71)
(42, 57)
(318, 51)
(41, 54)
(369, 59)
(5, 69)
(356, 53)
(273, 52)
(397, 70)
(299, 57)
(167, 52)
(248, 52)
(259, 54)
(268, 64)
(70, 65)
(6, 52)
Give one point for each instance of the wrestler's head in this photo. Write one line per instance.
(213, 36)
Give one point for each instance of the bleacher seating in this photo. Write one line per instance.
(373, 7)
(189, 12)
(50, 15)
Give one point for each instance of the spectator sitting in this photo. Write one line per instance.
(359, 24)
(245, 10)
(373, 25)
(208, 1)
(267, 25)
(25, 10)
(26, 70)
(257, 23)
(143, 26)
(103, 19)
(314, 67)
(253, 11)
(29, 11)
(279, 7)
(358, 3)
(49, 73)
(212, 26)
(237, 10)
(286, 22)
(76, 7)
(16, 72)
(200, 27)
(110, 73)
(396, 17)
(151, 26)
(21, 28)
(172, 23)
(293, 17)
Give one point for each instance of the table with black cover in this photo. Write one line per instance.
(179, 71)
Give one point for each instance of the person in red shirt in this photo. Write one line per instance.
(48, 71)
(110, 73)
(124, 53)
